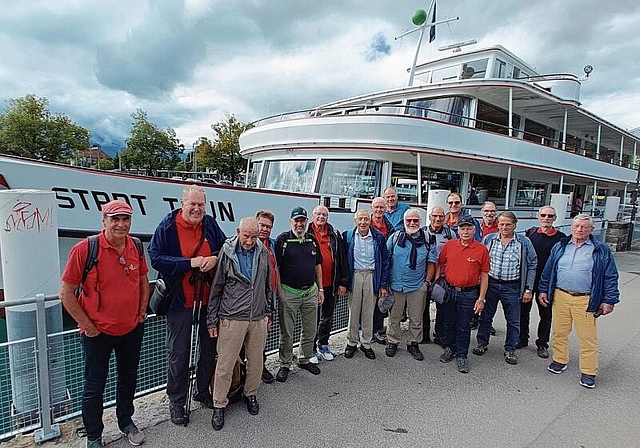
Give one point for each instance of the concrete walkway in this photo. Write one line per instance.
(393, 402)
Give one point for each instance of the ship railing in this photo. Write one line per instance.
(39, 357)
(453, 118)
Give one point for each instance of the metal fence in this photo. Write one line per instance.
(44, 375)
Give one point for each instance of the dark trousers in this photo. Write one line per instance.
(426, 318)
(325, 317)
(179, 325)
(457, 314)
(378, 319)
(544, 327)
(438, 330)
(97, 352)
(509, 295)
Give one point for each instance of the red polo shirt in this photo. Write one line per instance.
(486, 229)
(463, 264)
(324, 242)
(111, 293)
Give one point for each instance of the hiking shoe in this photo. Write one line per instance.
(447, 355)
(414, 350)
(480, 350)
(368, 352)
(463, 365)
(557, 367)
(282, 375)
(391, 350)
(326, 353)
(314, 358)
(97, 443)
(350, 350)
(134, 435)
(521, 344)
(588, 381)
(379, 338)
(511, 357)
(178, 415)
(267, 377)
(309, 367)
(543, 352)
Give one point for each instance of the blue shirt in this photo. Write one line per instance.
(575, 268)
(396, 217)
(401, 277)
(363, 256)
(245, 260)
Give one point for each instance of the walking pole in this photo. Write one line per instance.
(194, 352)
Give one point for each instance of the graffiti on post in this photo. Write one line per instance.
(25, 217)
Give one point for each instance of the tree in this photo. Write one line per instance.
(28, 129)
(223, 154)
(150, 148)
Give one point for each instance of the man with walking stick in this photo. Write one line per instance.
(187, 240)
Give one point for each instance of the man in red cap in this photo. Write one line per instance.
(110, 308)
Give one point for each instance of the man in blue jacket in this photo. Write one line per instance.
(368, 263)
(580, 281)
(184, 251)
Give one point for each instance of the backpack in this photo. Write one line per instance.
(92, 257)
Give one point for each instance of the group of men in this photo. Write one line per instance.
(229, 289)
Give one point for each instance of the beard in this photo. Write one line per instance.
(298, 231)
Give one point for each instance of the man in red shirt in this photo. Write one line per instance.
(489, 223)
(465, 265)
(110, 310)
(335, 276)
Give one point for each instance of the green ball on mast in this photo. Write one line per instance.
(419, 17)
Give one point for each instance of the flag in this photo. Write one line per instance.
(432, 30)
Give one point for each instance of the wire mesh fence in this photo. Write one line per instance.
(19, 394)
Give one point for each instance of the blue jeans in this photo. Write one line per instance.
(97, 352)
(458, 312)
(509, 295)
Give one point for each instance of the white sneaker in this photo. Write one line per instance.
(314, 358)
(326, 353)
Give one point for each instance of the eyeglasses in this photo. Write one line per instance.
(123, 263)
(320, 214)
(547, 215)
(489, 211)
(437, 216)
(453, 202)
(412, 219)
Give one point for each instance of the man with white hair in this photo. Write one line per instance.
(412, 269)
(580, 282)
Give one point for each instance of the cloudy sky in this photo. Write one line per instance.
(188, 63)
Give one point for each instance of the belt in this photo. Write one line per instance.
(504, 282)
(465, 288)
(363, 270)
(574, 294)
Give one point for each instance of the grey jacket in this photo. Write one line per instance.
(234, 296)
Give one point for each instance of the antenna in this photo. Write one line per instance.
(457, 46)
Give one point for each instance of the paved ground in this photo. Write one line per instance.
(393, 402)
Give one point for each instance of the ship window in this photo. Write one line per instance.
(488, 188)
(530, 194)
(351, 178)
(474, 69)
(445, 74)
(500, 69)
(453, 109)
(290, 175)
(254, 171)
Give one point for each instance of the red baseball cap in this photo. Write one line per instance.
(116, 207)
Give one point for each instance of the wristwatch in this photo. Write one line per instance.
(482, 300)
(144, 316)
(528, 291)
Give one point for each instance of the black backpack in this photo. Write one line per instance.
(92, 257)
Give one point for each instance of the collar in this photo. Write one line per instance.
(551, 232)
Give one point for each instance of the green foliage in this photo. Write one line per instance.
(28, 129)
(223, 154)
(150, 148)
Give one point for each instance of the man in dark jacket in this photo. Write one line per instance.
(334, 276)
(238, 313)
(368, 262)
(184, 251)
(580, 280)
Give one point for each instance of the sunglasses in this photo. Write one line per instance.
(547, 215)
(123, 263)
(453, 202)
(412, 220)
